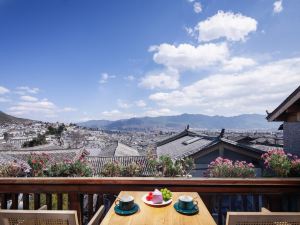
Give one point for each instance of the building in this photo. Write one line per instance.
(204, 149)
(288, 112)
(55, 155)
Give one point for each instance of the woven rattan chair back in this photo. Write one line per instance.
(262, 218)
(38, 217)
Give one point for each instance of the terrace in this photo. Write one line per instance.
(87, 194)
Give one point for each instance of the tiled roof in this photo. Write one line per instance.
(177, 148)
(265, 147)
(55, 155)
(97, 163)
(125, 150)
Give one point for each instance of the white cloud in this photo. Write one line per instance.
(4, 99)
(233, 27)
(130, 78)
(116, 115)
(277, 6)
(28, 98)
(197, 7)
(165, 79)
(254, 91)
(27, 90)
(43, 106)
(237, 64)
(37, 108)
(190, 31)
(69, 109)
(140, 103)
(186, 56)
(159, 112)
(122, 104)
(105, 77)
(3, 90)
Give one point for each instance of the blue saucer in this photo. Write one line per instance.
(121, 212)
(193, 211)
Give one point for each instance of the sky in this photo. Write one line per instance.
(77, 60)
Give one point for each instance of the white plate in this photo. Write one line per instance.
(157, 204)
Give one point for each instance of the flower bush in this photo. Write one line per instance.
(77, 168)
(221, 167)
(164, 166)
(12, 169)
(277, 163)
(41, 166)
(131, 170)
(111, 169)
(295, 168)
(38, 164)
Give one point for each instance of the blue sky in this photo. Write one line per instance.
(74, 60)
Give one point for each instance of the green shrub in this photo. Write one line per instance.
(111, 169)
(11, 169)
(78, 168)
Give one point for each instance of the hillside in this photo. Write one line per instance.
(241, 122)
(6, 119)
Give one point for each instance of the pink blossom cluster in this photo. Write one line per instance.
(280, 163)
(222, 167)
(268, 156)
(229, 163)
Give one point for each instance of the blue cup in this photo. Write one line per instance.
(186, 202)
(125, 202)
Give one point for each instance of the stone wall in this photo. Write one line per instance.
(291, 137)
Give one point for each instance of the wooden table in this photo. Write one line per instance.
(167, 215)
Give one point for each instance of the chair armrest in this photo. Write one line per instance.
(44, 207)
(96, 218)
(265, 210)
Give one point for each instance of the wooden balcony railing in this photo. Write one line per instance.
(87, 194)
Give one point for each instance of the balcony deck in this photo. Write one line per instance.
(87, 194)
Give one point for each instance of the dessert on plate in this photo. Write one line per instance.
(159, 197)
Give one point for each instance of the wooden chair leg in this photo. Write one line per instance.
(44, 207)
(97, 217)
(265, 210)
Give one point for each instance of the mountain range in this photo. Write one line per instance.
(197, 121)
(6, 119)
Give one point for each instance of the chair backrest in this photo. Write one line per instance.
(38, 217)
(261, 218)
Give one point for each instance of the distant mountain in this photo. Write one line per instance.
(5, 119)
(95, 123)
(241, 122)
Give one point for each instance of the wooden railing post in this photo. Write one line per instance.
(74, 201)
(37, 201)
(25, 201)
(3, 201)
(59, 201)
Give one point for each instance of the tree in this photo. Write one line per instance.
(6, 136)
(39, 140)
(57, 132)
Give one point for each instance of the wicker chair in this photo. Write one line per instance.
(45, 217)
(265, 217)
